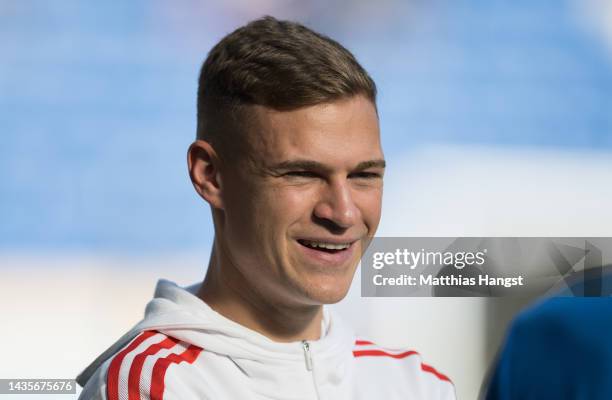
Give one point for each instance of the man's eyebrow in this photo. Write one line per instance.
(317, 166)
(299, 165)
(371, 164)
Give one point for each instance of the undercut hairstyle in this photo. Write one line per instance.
(277, 64)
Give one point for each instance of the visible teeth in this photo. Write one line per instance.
(329, 246)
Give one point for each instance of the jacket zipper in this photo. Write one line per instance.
(309, 367)
(307, 357)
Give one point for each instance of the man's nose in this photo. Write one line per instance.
(337, 205)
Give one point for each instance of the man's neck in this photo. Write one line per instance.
(222, 291)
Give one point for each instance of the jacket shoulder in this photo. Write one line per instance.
(402, 368)
(140, 369)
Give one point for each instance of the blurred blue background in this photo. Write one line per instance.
(97, 100)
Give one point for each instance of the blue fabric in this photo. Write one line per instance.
(560, 348)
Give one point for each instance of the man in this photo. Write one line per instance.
(288, 157)
(558, 347)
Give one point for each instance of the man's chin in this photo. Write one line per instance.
(319, 286)
(327, 294)
(333, 299)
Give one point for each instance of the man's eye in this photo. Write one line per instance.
(301, 174)
(365, 175)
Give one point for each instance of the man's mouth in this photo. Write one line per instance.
(324, 246)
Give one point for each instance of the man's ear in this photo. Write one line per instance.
(204, 164)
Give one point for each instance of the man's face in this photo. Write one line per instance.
(300, 206)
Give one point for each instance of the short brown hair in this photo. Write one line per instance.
(282, 65)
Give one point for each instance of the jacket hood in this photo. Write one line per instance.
(177, 312)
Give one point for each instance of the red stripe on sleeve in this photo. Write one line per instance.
(362, 342)
(112, 380)
(139, 360)
(432, 370)
(374, 353)
(161, 366)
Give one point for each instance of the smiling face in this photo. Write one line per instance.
(299, 208)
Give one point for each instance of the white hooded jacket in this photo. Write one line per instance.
(183, 349)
